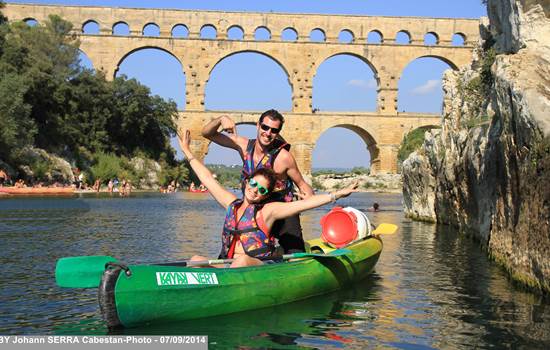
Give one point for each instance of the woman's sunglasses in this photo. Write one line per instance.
(261, 189)
(267, 127)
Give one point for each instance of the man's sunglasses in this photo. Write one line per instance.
(261, 189)
(267, 127)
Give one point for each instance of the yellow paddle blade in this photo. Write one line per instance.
(385, 229)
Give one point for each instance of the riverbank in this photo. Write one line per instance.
(380, 183)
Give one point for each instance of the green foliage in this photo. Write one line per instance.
(477, 121)
(359, 170)
(327, 172)
(317, 185)
(412, 142)
(374, 185)
(228, 176)
(476, 91)
(48, 101)
(108, 166)
(3, 19)
(41, 169)
(179, 173)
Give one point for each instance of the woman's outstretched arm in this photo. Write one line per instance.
(220, 194)
(280, 210)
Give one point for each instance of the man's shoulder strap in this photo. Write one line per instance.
(278, 145)
(250, 146)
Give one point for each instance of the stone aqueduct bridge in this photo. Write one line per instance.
(382, 130)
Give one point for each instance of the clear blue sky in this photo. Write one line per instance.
(341, 83)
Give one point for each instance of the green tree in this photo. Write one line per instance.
(47, 100)
(3, 19)
(141, 121)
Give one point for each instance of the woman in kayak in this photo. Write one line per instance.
(248, 221)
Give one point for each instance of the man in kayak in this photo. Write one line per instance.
(246, 234)
(271, 152)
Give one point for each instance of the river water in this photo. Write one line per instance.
(431, 288)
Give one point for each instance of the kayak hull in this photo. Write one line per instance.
(144, 294)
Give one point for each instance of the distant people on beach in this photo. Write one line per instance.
(375, 207)
(125, 188)
(80, 179)
(110, 186)
(20, 183)
(97, 185)
(172, 186)
(3, 177)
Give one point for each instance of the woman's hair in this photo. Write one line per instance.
(269, 175)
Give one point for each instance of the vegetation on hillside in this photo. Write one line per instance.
(48, 101)
(411, 142)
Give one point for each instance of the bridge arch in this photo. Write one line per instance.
(145, 47)
(345, 82)
(426, 95)
(431, 39)
(90, 27)
(262, 53)
(235, 32)
(84, 60)
(263, 82)
(365, 133)
(458, 39)
(31, 22)
(321, 59)
(151, 29)
(447, 60)
(375, 37)
(120, 28)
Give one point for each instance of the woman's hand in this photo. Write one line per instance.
(346, 191)
(185, 142)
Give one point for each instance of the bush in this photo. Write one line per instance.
(359, 170)
(317, 185)
(108, 166)
(41, 170)
(168, 173)
(412, 142)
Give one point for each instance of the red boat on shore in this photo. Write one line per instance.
(37, 191)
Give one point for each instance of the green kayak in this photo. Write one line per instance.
(143, 294)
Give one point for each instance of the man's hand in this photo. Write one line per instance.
(228, 125)
(301, 195)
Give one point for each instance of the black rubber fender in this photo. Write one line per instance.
(106, 296)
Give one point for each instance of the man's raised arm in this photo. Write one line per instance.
(231, 140)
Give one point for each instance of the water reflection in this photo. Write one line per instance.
(431, 289)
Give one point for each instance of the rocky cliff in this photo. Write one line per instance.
(487, 170)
